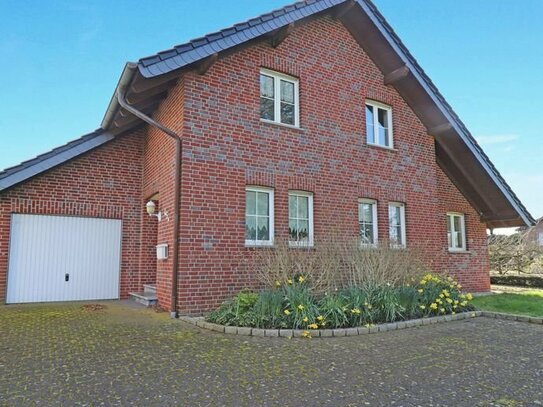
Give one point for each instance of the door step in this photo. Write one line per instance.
(149, 288)
(145, 298)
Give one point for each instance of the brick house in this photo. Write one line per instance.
(309, 119)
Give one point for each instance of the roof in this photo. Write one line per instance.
(195, 50)
(457, 152)
(43, 162)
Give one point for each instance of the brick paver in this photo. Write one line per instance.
(125, 355)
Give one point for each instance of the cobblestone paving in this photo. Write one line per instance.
(125, 355)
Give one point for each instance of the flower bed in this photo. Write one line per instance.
(291, 304)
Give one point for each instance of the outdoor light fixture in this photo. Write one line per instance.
(151, 209)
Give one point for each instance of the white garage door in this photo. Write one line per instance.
(60, 258)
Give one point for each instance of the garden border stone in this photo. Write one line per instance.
(362, 330)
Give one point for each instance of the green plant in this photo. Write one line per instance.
(269, 309)
(333, 309)
(300, 307)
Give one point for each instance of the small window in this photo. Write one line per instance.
(396, 223)
(279, 98)
(540, 238)
(456, 232)
(378, 124)
(300, 218)
(367, 221)
(258, 216)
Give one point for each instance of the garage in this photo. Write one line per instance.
(63, 258)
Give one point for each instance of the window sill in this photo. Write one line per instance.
(459, 251)
(381, 147)
(294, 245)
(287, 126)
(257, 245)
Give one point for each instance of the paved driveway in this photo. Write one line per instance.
(125, 355)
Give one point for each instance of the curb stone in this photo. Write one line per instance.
(363, 330)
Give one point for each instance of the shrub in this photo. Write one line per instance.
(519, 281)
(293, 304)
(336, 263)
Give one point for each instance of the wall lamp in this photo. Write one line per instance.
(151, 209)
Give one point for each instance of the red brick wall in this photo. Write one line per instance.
(102, 183)
(227, 147)
(472, 267)
(159, 178)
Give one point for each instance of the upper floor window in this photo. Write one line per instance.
(258, 216)
(300, 218)
(396, 224)
(378, 124)
(279, 98)
(367, 221)
(456, 232)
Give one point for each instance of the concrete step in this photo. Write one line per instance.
(149, 288)
(147, 299)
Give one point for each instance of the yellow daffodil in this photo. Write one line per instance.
(433, 305)
(355, 311)
(453, 313)
(370, 306)
(441, 295)
(278, 284)
(307, 334)
(320, 318)
(301, 307)
(323, 323)
(289, 281)
(422, 306)
(439, 301)
(469, 297)
(459, 286)
(287, 312)
(301, 279)
(420, 290)
(449, 300)
(313, 326)
(442, 310)
(306, 319)
(464, 303)
(455, 306)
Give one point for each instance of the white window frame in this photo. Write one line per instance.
(270, 192)
(382, 106)
(310, 241)
(450, 223)
(375, 227)
(277, 77)
(400, 205)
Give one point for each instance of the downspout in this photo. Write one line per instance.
(121, 98)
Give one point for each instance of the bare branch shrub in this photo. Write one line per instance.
(336, 263)
(513, 253)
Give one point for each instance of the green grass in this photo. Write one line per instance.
(529, 302)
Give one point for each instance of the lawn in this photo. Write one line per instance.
(526, 302)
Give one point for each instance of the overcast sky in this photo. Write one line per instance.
(60, 62)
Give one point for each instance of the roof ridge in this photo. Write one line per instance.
(267, 22)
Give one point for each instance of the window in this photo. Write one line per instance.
(456, 232)
(378, 124)
(396, 224)
(300, 218)
(279, 98)
(258, 216)
(540, 238)
(367, 221)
